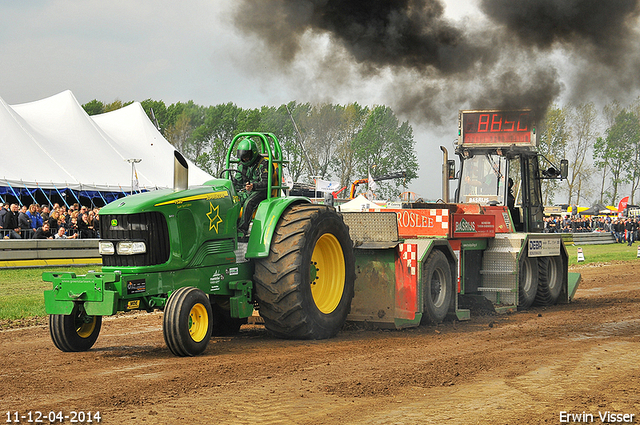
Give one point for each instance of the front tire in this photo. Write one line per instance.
(75, 332)
(437, 287)
(187, 322)
(305, 286)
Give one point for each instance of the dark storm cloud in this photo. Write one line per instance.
(437, 63)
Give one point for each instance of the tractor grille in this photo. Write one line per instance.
(150, 227)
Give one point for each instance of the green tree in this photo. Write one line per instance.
(617, 149)
(384, 146)
(159, 115)
(115, 105)
(94, 107)
(581, 140)
(278, 121)
(553, 144)
(179, 133)
(215, 134)
(344, 160)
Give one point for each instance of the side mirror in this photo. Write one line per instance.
(451, 169)
(564, 169)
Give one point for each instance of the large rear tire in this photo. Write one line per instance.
(437, 287)
(187, 322)
(305, 286)
(549, 280)
(75, 332)
(528, 282)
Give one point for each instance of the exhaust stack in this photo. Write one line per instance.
(180, 172)
(445, 175)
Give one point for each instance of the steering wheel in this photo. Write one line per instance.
(235, 170)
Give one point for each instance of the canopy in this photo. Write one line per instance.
(359, 203)
(597, 209)
(56, 145)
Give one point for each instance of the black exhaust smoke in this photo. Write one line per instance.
(506, 57)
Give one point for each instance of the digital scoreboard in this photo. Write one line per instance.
(496, 128)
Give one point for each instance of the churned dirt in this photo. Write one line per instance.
(522, 368)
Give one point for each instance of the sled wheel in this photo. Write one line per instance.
(187, 322)
(223, 323)
(437, 288)
(75, 332)
(305, 286)
(528, 282)
(549, 280)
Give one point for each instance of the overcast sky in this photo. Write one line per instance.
(180, 51)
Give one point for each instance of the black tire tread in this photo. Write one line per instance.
(431, 315)
(526, 300)
(173, 330)
(279, 284)
(547, 294)
(64, 335)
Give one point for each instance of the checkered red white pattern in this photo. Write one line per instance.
(442, 216)
(409, 255)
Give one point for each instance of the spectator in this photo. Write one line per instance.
(83, 226)
(619, 231)
(43, 232)
(24, 222)
(53, 221)
(11, 223)
(630, 228)
(45, 212)
(36, 219)
(62, 234)
(4, 209)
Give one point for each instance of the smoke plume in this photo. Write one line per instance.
(508, 56)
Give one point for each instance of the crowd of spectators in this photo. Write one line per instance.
(623, 229)
(45, 222)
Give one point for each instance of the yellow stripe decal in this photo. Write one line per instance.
(51, 262)
(205, 196)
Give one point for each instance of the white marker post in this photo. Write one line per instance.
(581, 255)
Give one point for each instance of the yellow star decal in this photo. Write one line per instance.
(214, 220)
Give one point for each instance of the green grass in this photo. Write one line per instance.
(603, 253)
(21, 291)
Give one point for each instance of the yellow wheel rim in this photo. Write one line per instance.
(85, 329)
(327, 273)
(198, 322)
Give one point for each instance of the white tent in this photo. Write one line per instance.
(57, 146)
(359, 203)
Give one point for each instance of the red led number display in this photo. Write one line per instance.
(496, 127)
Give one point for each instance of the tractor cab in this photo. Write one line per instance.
(500, 165)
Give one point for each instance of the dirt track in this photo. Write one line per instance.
(523, 368)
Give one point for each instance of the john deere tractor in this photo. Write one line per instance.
(178, 250)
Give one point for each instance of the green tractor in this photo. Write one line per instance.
(179, 250)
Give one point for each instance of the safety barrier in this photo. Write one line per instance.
(594, 238)
(48, 252)
(28, 233)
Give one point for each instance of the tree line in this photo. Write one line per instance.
(347, 142)
(603, 149)
(334, 142)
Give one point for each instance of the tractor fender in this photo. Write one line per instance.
(267, 217)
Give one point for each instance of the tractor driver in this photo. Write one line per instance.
(251, 181)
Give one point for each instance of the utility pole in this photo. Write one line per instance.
(133, 162)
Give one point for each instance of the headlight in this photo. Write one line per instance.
(106, 248)
(131, 248)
